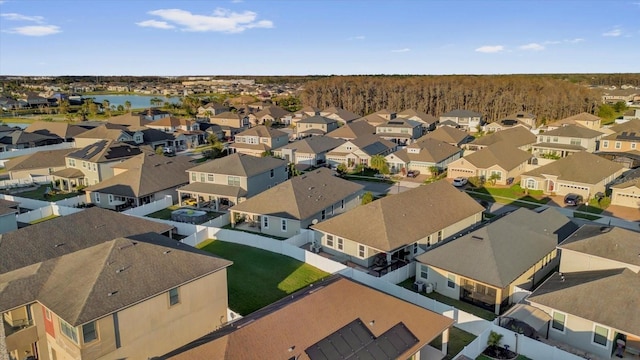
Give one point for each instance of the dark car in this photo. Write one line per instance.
(573, 199)
(413, 173)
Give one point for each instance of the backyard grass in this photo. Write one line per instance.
(38, 194)
(258, 278)
(461, 305)
(165, 214)
(509, 195)
(228, 227)
(43, 219)
(458, 339)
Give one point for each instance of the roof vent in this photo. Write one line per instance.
(605, 229)
(121, 269)
(112, 293)
(475, 237)
(58, 245)
(166, 252)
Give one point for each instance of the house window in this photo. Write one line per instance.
(424, 271)
(265, 222)
(95, 168)
(323, 215)
(340, 244)
(202, 177)
(329, 239)
(69, 331)
(233, 180)
(89, 332)
(283, 224)
(110, 198)
(439, 235)
(265, 140)
(415, 248)
(633, 145)
(210, 177)
(555, 139)
(47, 314)
(84, 164)
(618, 145)
(194, 177)
(576, 142)
(605, 144)
(174, 297)
(361, 251)
(271, 173)
(600, 335)
(451, 281)
(498, 174)
(559, 320)
(96, 197)
(531, 184)
(429, 241)
(341, 204)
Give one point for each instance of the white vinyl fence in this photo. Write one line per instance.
(401, 274)
(45, 211)
(25, 203)
(305, 237)
(26, 182)
(220, 221)
(74, 201)
(19, 152)
(151, 207)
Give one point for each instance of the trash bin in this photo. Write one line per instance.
(418, 286)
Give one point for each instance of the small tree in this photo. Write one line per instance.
(435, 171)
(159, 150)
(367, 198)
(493, 178)
(378, 162)
(494, 339)
(342, 169)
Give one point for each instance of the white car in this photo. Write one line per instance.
(459, 181)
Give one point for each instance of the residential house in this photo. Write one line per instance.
(486, 266)
(518, 119)
(140, 180)
(306, 111)
(449, 135)
(466, 119)
(298, 203)
(400, 131)
(315, 125)
(129, 120)
(613, 96)
(623, 145)
(377, 118)
(308, 325)
(110, 132)
(631, 114)
(501, 162)
(423, 156)
(153, 114)
(187, 133)
(626, 192)
(272, 114)
(212, 109)
(8, 212)
(352, 130)
(389, 232)
(93, 164)
(94, 302)
(359, 151)
(582, 173)
(427, 121)
(41, 163)
(583, 119)
(259, 140)
(566, 140)
(224, 182)
(343, 116)
(593, 300)
(231, 123)
(310, 151)
(19, 139)
(63, 130)
(518, 137)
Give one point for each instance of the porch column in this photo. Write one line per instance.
(217, 202)
(445, 341)
(232, 217)
(498, 301)
(388, 258)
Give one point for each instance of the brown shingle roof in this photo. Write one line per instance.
(38, 160)
(431, 151)
(447, 134)
(502, 154)
(60, 129)
(517, 136)
(128, 120)
(424, 117)
(240, 165)
(402, 219)
(582, 167)
(352, 130)
(262, 131)
(573, 131)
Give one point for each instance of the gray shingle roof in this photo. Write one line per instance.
(447, 134)
(38, 160)
(353, 130)
(106, 151)
(240, 165)
(492, 254)
(461, 113)
(574, 131)
(317, 119)
(314, 145)
(431, 151)
(582, 167)
(517, 137)
(606, 242)
(502, 154)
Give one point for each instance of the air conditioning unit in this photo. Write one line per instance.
(316, 248)
(429, 288)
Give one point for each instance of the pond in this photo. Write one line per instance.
(137, 101)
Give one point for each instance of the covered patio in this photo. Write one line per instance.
(216, 197)
(68, 179)
(561, 150)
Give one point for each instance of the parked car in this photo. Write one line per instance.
(460, 181)
(413, 173)
(573, 199)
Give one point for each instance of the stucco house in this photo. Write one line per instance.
(593, 300)
(449, 135)
(271, 114)
(400, 131)
(311, 151)
(391, 231)
(582, 173)
(465, 119)
(566, 140)
(422, 156)
(583, 119)
(623, 145)
(41, 163)
(485, 266)
(258, 140)
(298, 203)
(224, 182)
(359, 151)
(502, 161)
(111, 132)
(343, 116)
(626, 191)
(518, 119)
(427, 121)
(231, 122)
(315, 125)
(519, 137)
(352, 130)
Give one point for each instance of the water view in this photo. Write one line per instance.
(137, 101)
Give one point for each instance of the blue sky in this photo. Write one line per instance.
(300, 37)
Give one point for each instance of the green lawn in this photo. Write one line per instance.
(258, 278)
(461, 305)
(510, 195)
(458, 339)
(165, 214)
(228, 227)
(38, 194)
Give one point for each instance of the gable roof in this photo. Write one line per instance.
(317, 119)
(107, 131)
(353, 130)
(36, 243)
(301, 196)
(60, 129)
(105, 151)
(171, 121)
(402, 219)
(575, 119)
(447, 134)
(502, 154)
(240, 165)
(314, 145)
(580, 167)
(38, 160)
(262, 131)
(629, 126)
(311, 315)
(146, 174)
(373, 119)
(422, 116)
(18, 137)
(606, 242)
(274, 111)
(517, 136)
(573, 131)
(631, 178)
(492, 254)
(98, 280)
(228, 115)
(372, 144)
(345, 115)
(431, 151)
(461, 113)
(584, 294)
(128, 120)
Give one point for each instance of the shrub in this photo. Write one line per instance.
(475, 181)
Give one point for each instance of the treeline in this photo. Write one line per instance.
(494, 96)
(601, 79)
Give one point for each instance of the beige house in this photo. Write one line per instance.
(427, 121)
(221, 183)
(359, 151)
(172, 124)
(297, 203)
(422, 156)
(315, 125)
(400, 131)
(518, 119)
(111, 132)
(93, 163)
(583, 119)
(593, 299)
(485, 266)
(311, 151)
(566, 140)
(519, 137)
(343, 116)
(501, 161)
(582, 173)
(41, 163)
(272, 114)
(258, 140)
(626, 192)
(352, 130)
(621, 142)
(465, 119)
(212, 109)
(309, 325)
(449, 135)
(389, 232)
(230, 120)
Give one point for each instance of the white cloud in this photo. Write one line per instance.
(575, 41)
(553, 42)
(35, 30)
(236, 1)
(155, 24)
(20, 17)
(489, 49)
(359, 37)
(401, 50)
(532, 47)
(615, 32)
(222, 20)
